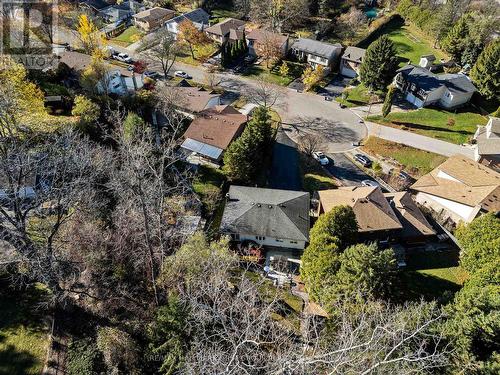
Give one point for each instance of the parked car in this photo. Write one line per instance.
(181, 74)
(319, 156)
(370, 183)
(124, 58)
(153, 75)
(363, 159)
(404, 176)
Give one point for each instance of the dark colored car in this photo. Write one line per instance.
(364, 160)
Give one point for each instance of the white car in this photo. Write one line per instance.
(319, 156)
(124, 57)
(180, 73)
(370, 183)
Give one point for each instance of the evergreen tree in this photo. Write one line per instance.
(244, 156)
(380, 64)
(455, 41)
(486, 72)
(339, 222)
(389, 97)
(366, 273)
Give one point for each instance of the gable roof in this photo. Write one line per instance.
(281, 214)
(428, 81)
(355, 54)
(223, 28)
(262, 35)
(316, 47)
(463, 181)
(371, 208)
(194, 99)
(414, 222)
(153, 14)
(217, 126)
(197, 16)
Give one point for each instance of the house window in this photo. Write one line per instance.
(294, 242)
(278, 240)
(260, 238)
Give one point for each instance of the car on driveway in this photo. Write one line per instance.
(404, 176)
(321, 158)
(124, 58)
(363, 159)
(181, 74)
(370, 183)
(154, 75)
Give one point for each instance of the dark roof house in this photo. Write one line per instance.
(230, 29)
(351, 61)
(198, 17)
(268, 216)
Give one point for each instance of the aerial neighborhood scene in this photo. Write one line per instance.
(283, 187)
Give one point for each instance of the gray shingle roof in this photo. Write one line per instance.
(198, 16)
(457, 82)
(428, 81)
(273, 213)
(316, 47)
(354, 54)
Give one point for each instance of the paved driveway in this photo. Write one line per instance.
(346, 171)
(284, 172)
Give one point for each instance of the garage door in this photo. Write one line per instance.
(414, 100)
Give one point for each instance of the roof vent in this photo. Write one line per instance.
(270, 206)
(259, 205)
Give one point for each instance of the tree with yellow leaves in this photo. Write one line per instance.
(311, 77)
(96, 75)
(91, 38)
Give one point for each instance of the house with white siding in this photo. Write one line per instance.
(317, 53)
(422, 88)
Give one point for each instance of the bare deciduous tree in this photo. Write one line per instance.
(263, 93)
(161, 47)
(279, 14)
(310, 143)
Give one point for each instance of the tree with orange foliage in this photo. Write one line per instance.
(190, 35)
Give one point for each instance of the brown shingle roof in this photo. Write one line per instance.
(217, 126)
(194, 99)
(153, 14)
(414, 222)
(464, 181)
(224, 27)
(261, 35)
(371, 208)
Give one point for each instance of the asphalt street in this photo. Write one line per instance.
(346, 171)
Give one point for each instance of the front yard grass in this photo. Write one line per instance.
(201, 54)
(314, 177)
(272, 74)
(23, 333)
(436, 123)
(416, 162)
(130, 35)
(357, 96)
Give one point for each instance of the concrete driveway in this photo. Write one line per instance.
(285, 172)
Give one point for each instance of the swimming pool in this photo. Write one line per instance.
(371, 12)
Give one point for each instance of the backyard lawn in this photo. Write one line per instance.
(272, 74)
(201, 54)
(416, 162)
(436, 123)
(23, 333)
(410, 42)
(130, 35)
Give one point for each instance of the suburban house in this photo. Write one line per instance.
(193, 99)
(422, 88)
(118, 80)
(269, 217)
(487, 147)
(212, 131)
(151, 19)
(198, 17)
(459, 190)
(229, 30)
(317, 53)
(351, 60)
(93, 6)
(380, 216)
(121, 12)
(259, 39)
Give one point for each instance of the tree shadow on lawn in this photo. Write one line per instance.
(13, 361)
(413, 286)
(411, 125)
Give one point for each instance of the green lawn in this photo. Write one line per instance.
(130, 35)
(201, 54)
(416, 162)
(272, 74)
(358, 96)
(314, 177)
(432, 275)
(436, 123)
(23, 333)
(410, 42)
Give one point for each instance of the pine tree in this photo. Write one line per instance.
(389, 97)
(485, 72)
(380, 64)
(457, 38)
